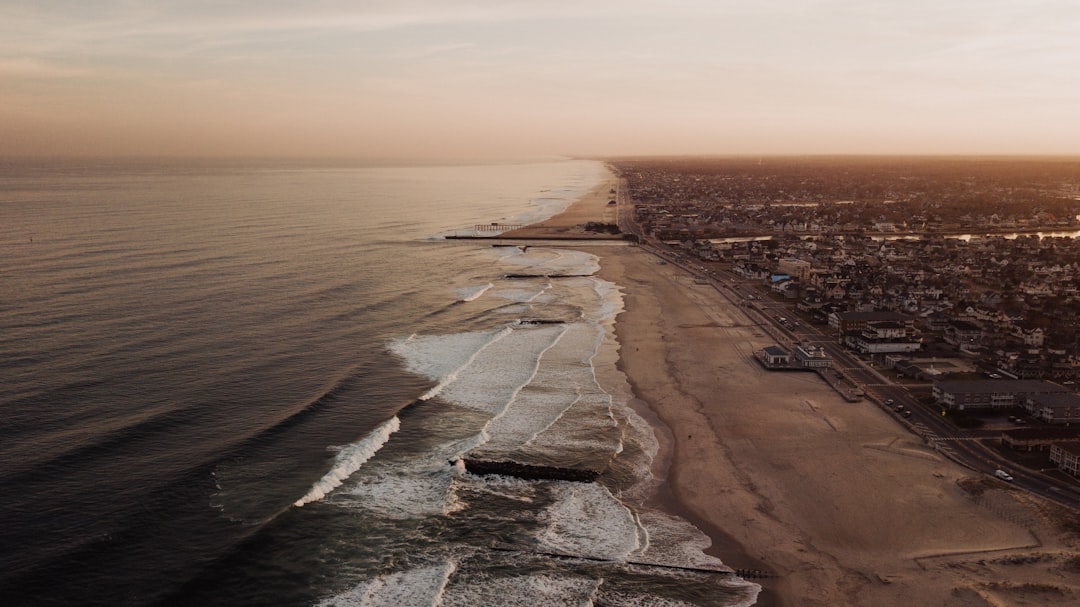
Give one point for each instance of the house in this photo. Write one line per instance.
(749, 270)
(811, 303)
(1023, 365)
(1033, 337)
(962, 332)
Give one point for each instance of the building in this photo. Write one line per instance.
(1067, 457)
(1039, 439)
(1056, 408)
(882, 337)
(990, 393)
(855, 322)
(812, 357)
(775, 355)
(962, 332)
(796, 268)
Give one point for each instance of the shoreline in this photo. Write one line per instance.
(564, 229)
(844, 506)
(637, 337)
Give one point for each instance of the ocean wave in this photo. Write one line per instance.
(674, 542)
(349, 460)
(554, 588)
(562, 381)
(521, 293)
(473, 293)
(544, 261)
(495, 375)
(100, 440)
(404, 494)
(421, 586)
(442, 357)
(414, 487)
(585, 520)
(456, 375)
(538, 381)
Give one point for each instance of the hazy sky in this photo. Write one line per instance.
(538, 77)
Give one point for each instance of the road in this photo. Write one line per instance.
(965, 448)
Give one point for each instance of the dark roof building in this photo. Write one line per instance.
(1039, 439)
(990, 393)
(1055, 408)
(847, 322)
(775, 355)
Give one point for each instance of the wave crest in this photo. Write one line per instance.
(473, 293)
(349, 460)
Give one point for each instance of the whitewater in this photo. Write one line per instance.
(253, 383)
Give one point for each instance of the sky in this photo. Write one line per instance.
(514, 78)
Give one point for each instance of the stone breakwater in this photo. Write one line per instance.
(528, 471)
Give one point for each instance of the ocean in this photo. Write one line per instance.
(249, 383)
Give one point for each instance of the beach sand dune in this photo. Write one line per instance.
(836, 499)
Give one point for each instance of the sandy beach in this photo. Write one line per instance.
(839, 502)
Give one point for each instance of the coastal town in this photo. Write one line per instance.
(954, 283)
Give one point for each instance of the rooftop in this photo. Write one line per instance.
(981, 386)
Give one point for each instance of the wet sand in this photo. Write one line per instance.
(836, 499)
(593, 206)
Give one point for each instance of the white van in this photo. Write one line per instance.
(1005, 476)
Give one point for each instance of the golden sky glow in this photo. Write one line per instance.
(434, 78)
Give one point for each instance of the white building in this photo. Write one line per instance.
(1067, 457)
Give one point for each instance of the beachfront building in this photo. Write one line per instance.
(883, 337)
(1039, 438)
(775, 355)
(812, 357)
(854, 322)
(990, 393)
(1055, 408)
(876, 332)
(1067, 457)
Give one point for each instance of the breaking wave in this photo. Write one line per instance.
(472, 293)
(349, 461)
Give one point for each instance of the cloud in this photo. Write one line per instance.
(25, 67)
(659, 66)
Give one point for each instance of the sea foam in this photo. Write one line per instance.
(349, 460)
(472, 293)
(587, 521)
(538, 383)
(522, 591)
(421, 587)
